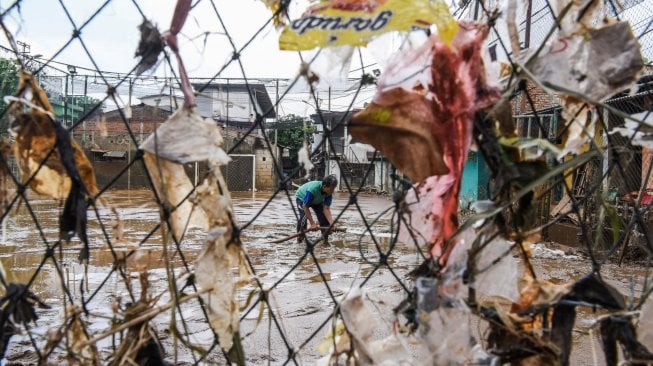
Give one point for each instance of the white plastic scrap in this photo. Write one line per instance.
(448, 335)
(643, 136)
(361, 325)
(587, 64)
(303, 157)
(497, 271)
(186, 137)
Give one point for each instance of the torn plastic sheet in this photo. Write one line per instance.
(496, 273)
(45, 150)
(33, 126)
(447, 333)
(585, 63)
(640, 134)
(424, 108)
(361, 326)
(354, 22)
(595, 63)
(214, 267)
(184, 138)
(581, 118)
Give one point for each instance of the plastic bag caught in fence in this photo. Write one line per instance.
(429, 114)
(222, 253)
(45, 150)
(184, 138)
(355, 22)
(361, 326)
(587, 64)
(36, 139)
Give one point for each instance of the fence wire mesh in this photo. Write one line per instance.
(105, 263)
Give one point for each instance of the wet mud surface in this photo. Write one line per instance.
(303, 282)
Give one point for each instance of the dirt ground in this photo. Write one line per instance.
(302, 302)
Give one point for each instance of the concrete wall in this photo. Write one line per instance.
(266, 179)
(382, 175)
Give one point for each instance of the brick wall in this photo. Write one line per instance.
(540, 99)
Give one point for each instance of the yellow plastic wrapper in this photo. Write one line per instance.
(355, 22)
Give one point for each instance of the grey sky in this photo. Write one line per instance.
(112, 36)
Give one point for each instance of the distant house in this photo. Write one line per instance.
(347, 160)
(230, 104)
(233, 104)
(111, 144)
(109, 131)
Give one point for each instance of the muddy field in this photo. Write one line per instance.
(301, 300)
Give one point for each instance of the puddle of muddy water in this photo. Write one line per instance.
(301, 293)
(301, 301)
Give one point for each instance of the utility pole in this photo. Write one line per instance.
(527, 31)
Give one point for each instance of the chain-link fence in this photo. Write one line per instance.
(122, 245)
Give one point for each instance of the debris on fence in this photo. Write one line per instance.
(149, 48)
(53, 163)
(336, 22)
(429, 115)
(36, 140)
(586, 64)
(184, 138)
(638, 133)
(223, 251)
(357, 345)
(17, 307)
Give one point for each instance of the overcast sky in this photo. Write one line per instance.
(112, 36)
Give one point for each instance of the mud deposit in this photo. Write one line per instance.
(302, 301)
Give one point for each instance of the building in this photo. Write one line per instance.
(111, 146)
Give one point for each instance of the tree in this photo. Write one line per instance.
(291, 134)
(8, 80)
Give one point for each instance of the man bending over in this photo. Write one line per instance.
(318, 196)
